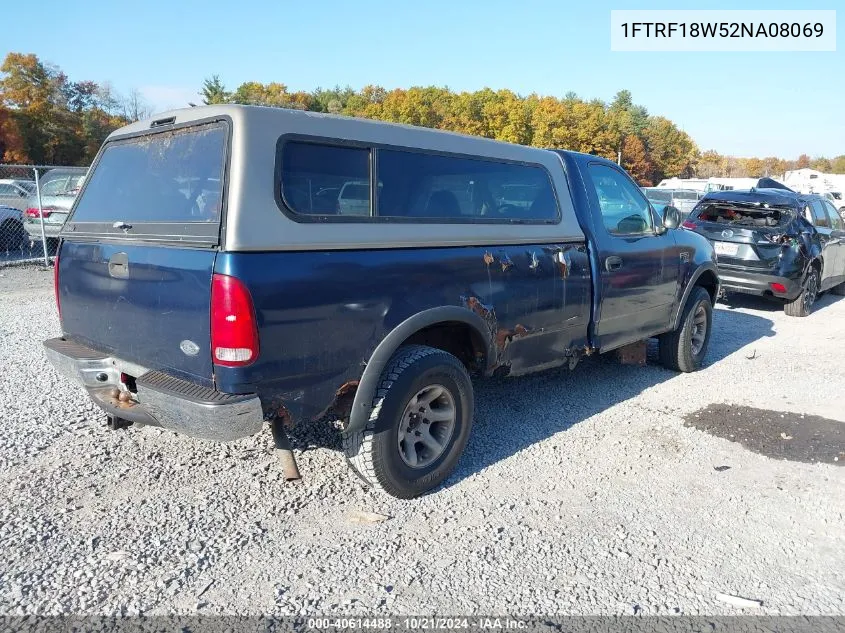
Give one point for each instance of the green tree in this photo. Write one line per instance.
(214, 91)
(837, 165)
(821, 164)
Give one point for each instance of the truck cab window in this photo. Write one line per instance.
(624, 209)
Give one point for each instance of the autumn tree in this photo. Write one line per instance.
(49, 119)
(636, 162)
(755, 168)
(710, 164)
(672, 151)
(11, 144)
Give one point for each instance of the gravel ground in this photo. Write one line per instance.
(580, 493)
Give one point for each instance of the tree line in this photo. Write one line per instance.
(46, 118)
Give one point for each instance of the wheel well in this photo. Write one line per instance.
(459, 339)
(708, 281)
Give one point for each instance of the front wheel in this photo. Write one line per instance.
(420, 422)
(684, 349)
(803, 304)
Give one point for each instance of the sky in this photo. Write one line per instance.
(744, 104)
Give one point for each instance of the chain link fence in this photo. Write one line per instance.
(34, 203)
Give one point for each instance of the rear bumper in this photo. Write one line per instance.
(161, 399)
(33, 229)
(754, 283)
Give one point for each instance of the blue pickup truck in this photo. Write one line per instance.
(212, 279)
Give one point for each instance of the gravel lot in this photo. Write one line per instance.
(580, 493)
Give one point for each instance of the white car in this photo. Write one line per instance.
(354, 198)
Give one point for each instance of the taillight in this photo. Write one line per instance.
(34, 212)
(779, 288)
(689, 224)
(56, 284)
(234, 331)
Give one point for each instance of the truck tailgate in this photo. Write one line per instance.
(149, 307)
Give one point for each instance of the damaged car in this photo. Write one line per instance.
(774, 242)
(273, 302)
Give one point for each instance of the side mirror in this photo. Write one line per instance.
(671, 217)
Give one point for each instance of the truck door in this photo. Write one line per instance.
(636, 260)
(829, 244)
(838, 237)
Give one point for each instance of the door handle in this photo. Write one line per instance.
(613, 263)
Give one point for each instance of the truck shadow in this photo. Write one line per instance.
(737, 300)
(512, 414)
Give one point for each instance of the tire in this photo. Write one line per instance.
(381, 453)
(12, 236)
(802, 306)
(684, 349)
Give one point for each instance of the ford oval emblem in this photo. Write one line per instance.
(727, 233)
(189, 347)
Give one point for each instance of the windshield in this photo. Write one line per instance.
(663, 196)
(63, 185)
(166, 177)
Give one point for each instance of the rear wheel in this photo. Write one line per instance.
(684, 349)
(420, 422)
(802, 305)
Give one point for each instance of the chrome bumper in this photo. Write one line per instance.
(161, 399)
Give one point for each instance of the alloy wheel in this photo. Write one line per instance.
(699, 329)
(427, 426)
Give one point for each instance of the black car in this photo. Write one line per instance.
(775, 243)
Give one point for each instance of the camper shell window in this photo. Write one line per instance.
(324, 181)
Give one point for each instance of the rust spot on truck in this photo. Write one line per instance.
(506, 262)
(505, 336)
(488, 258)
(632, 353)
(276, 410)
(562, 265)
(474, 304)
(344, 399)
